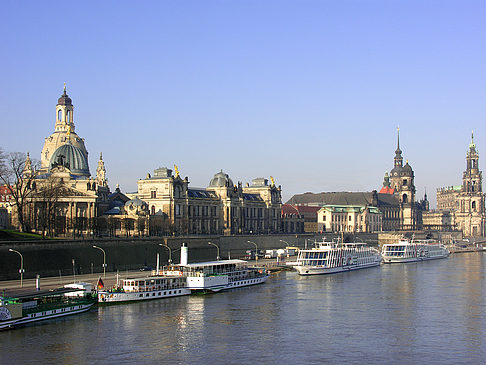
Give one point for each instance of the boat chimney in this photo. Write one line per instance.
(184, 254)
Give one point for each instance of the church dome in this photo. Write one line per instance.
(64, 99)
(136, 202)
(72, 158)
(407, 169)
(136, 206)
(220, 179)
(397, 170)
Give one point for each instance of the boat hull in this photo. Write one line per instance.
(316, 270)
(106, 297)
(47, 314)
(233, 284)
(398, 260)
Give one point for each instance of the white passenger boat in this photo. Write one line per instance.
(214, 276)
(154, 287)
(330, 258)
(412, 251)
(42, 305)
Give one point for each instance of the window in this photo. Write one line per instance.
(153, 194)
(152, 210)
(59, 115)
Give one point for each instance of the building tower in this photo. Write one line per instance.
(64, 132)
(402, 182)
(471, 216)
(101, 172)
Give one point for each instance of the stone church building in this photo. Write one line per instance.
(66, 199)
(462, 207)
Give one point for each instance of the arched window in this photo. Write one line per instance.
(473, 206)
(68, 116)
(404, 198)
(152, 210)
(59, 115)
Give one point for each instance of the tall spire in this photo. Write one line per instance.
(472, 145)
(398, 153)
(398, 139)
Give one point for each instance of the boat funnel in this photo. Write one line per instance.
(184, 254)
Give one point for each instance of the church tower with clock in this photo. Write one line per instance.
(402, 182)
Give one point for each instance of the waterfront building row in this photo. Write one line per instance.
(66, 200)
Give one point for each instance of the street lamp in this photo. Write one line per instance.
(285, 242)
(21, 271)
(256, 249)
(217, 257)
(104, 260)
(170, 251)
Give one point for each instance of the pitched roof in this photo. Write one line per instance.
(342, 198)
(387, 190)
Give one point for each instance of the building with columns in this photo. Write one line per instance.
(220, 208)
(463, 206)
(65, 198)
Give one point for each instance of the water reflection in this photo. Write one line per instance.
(406, 313)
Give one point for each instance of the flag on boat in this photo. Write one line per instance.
(100, 284)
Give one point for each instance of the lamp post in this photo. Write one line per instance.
(285, 242)
(213, 244)
(21, 271)
(256, 249)
(104, 260)
(170, 251)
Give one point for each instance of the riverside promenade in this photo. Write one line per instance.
(11, 288)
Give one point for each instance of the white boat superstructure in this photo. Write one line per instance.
(413, 250)
(330, 258)
(213, 276)
(155, 287)
(218, 275)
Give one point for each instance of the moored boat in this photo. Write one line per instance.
(154, 287)
(330, 258)
(42, 305)
(214, 276)
(413, 250)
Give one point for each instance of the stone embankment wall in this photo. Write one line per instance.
(55, 257)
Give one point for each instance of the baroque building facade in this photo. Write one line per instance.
(463, 206)
(349, 218)
(220, 208)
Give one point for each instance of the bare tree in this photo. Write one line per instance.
(46, 197)
(18, 172)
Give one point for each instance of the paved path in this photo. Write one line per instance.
(12, 287)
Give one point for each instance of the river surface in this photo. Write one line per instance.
(420, 313)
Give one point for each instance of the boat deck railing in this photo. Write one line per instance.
(42, 307)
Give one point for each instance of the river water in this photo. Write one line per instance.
(430, 312)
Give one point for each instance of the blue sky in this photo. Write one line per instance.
(310, 92)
